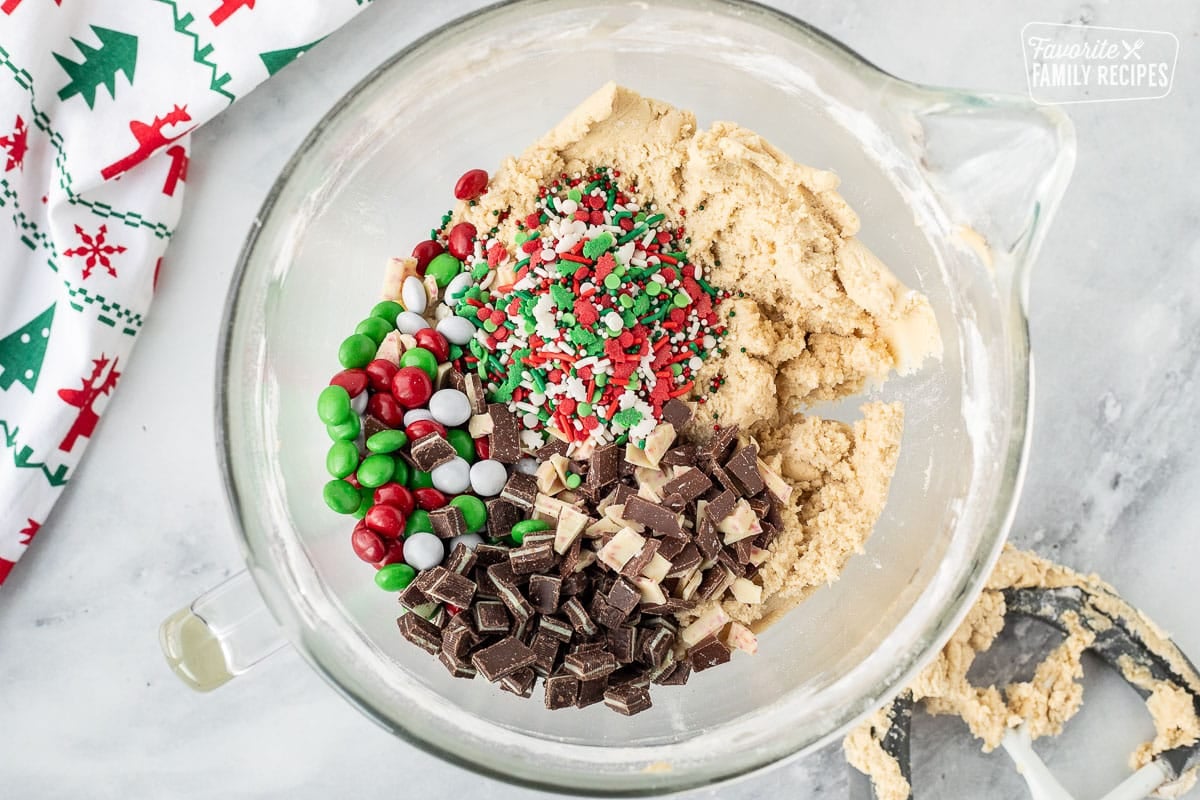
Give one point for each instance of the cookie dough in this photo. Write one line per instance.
(819, 317)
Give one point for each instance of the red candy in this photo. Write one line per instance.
(384, 408)
(472, 184)
(395, 555)
(380, 372)
(423, 427)
(367, 544)
(461, 239)
(482, 449)
(428, 499)
(354, 381)
(386, 521)
(425, 252)
(397, 496)
(432, 341)
(411, 387)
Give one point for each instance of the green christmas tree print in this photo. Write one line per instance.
(276, 60)
(23, 350)
(117, 53)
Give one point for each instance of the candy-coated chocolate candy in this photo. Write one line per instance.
(453, 477)
(423, 427)
(421, 480)
(387, 310)
(376, 328)
(423, 551)
(457, 330)
(473, 511)
(387, 441)
(356, 351)
(341, 496)
(443, 268)
(395, 554)
(376, 470)
(462, 443)
(418, 521)
(354, 381)
(461, 241)
(394, 577)
(527, 465)
(385, 520)
(429, 499)
(527, 526)
(347, 430)
(455, 289)
(342, 459)
(434, 342)
(468, 540)
(384, 408)
(380, 373)
(410, 322)
(333, 405)
(482, 448)
(403, 472)
(471, 184)
(414, 414)
(367, 545)
(423, 359)
(450, 407)
(425, 252)
(488, 477)
(393, 494)
(413, 293)
(412, 387)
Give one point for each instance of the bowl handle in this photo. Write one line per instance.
(223, 633)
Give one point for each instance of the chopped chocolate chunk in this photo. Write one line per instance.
(488, 554)
(421, 632)
(522, 629)
(532, 557)
(689, 484)
(570, 560)
(452, 588)
(742, 549)
(448, 522)
(456, 666)
(505, 439)
(520, 682)
(457, 641)
(681, 456)
(501, 516)
(656, 645)
(630, 675)
(723, 478)
(687, 560)
(590, 646)
(520, 490)
(721, 507)
(432, 451)
(412, 596)
(677, 412)
(490, 617)
(607, 615)
(653, 516)
(558, 628)
(669, 548)
(506, 587)
(590, 665)
(714, 579)
(707, 540)
(634, 566)
(591, 692)
(674, 605)
(768, 535)
(621, 494)
(544, 592)
(760, 505)
(462, 560)
(456, 380)
(674, 503)
(473, 388)
(717, 448)
(604, 467)
(372, 425)
(545, 646)
(555, 447)
(677, 676)
(623, 596)
(578, 617)
(728, 558)
(708, 652)
(502, 658)
(621, 643)
(576, 583)
(627, 699)
(562, 691)
(743, 466)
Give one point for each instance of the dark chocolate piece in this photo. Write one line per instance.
(681, 456)
(590, 665)
(432, 451)
(412, 596)
(687, 560)
(669, 548)
(656, 646)
(421, 632)
(721, 507)
(707, 540)
(717, 448)
(674, 605)
(555, 447)
(768, 535)
(544, 592)
(623, 596)
(722, 477)
(591, 692)
(621, 494)
(634, 566)
(457, 641)
(532, 557)
(452, 588)
(558, 628)
(506, 586)
(372, 425)
(490, 617)
(545, 646)
(562, 691)
(689, 485)
(488, 554)
(520, 490)
(473, 388)
(728, 559)
(501, 516)
(677, 676)
(462, 559)
(677, 412)
(578, 617)
(742, 549)
(457, 667)
(621, 643)
(576, 583)
(653, 516)
(743, 466)
(520, 682)
(674, 503)
(604, 466)
(760, 505)
(713, 580)
(627, 699)
(502, 658)
(708, 652)
(505, 439)
(570, 560)
(607, 615)
(448, 522)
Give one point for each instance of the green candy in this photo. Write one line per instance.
(527, 526)
(387, 310)
(462, 443)
(403, 471)
(597, 247)
(584, 409)
(573, 481)
(654, 288)
(443, 268)
(418, 522)
(395, 577)
(347, 430)
(333, 405)
(356, 351)
(375, 328)
(682, 300)
(366, 499)
(376, 470)
(342, 459)
(420, 357)
(421, 480)
(341, 496)
(387, 441)
(473, 511)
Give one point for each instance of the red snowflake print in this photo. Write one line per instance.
(96, 249)
(16, 144)
(29, 531)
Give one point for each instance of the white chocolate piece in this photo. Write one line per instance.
(741, 524)
(657, 569)
(658, 443)
(391, 348)
(571, 523)
(393, 277)
(547, 479)
(600, 527)
(688, 588)
(746, 591)
(776, 485)
(705, 625)
(652, 593)
(561, 466)
(625, 545)
(739, 637)
(759, 556)
(479, 425)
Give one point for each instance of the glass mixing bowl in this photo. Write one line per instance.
(954, 189)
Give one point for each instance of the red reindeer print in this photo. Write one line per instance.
(149, 138)
(85, 398)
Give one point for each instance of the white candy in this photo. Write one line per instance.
(423, 551)
(457, 285)
(457, 330)
(612, 319)
(413, 296)
(415, 414)
(468, 540)
(450, 407)
(453, 477)
(487, 477)
(527, 465)
(410, 321)
(359, 403)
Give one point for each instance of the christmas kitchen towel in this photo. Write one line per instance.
(97, 98)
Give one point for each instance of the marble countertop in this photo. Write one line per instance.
(89, 709)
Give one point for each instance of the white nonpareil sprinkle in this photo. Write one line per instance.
(613, 320)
